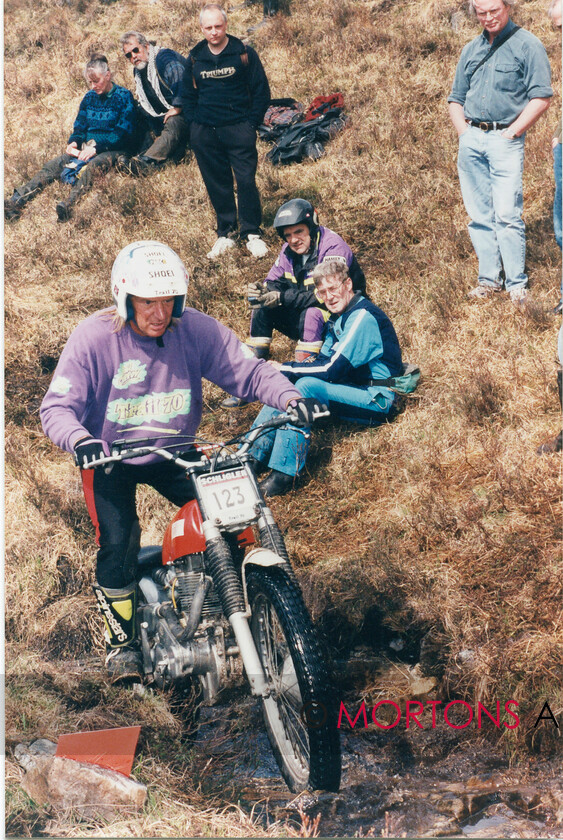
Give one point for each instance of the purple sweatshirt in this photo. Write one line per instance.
(120, 384)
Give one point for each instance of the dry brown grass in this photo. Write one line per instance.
(444, 524)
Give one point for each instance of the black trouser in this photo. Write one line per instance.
(111, 504)
(289, 320)
(221, 151)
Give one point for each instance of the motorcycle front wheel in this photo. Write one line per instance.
(300, 713)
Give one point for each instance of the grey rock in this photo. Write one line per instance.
(65, 783)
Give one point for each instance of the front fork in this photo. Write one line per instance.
(238, 619)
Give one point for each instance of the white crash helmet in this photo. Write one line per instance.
(148, 269)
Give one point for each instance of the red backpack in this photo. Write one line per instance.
(321, 104)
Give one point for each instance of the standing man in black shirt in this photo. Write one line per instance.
(224, 96)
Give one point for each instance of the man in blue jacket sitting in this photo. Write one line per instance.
(359, 354)
(105, 128)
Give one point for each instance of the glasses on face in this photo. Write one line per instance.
(328, 291)
(133, 51)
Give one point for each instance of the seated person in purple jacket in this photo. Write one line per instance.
(287, 300)
(104, 129)
(134, 369)
(158, 74)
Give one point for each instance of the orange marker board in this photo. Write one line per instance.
(110, 748)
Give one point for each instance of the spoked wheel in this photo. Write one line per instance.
(299, 713)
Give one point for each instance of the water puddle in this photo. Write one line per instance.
(395, 783)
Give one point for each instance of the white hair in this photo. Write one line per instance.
(505, 2)
(208, 7)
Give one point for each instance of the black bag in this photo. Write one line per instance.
(306, 139)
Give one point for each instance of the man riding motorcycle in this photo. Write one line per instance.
(132, 370)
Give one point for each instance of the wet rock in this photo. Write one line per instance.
(553, 801)
(450, 804)
(64, 783)
(304, 801)
(500, 821)
(26, 754)
(420, 685)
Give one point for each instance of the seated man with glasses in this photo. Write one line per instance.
(157, 72)
(359, 351)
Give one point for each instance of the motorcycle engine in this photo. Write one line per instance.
(169, 657)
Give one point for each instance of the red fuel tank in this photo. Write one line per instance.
(184, 534)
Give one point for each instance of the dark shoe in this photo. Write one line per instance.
(277, 483)
(233, 402)
(123, 164)
(64, 210)
(125, 664)
(258, 466)
(551, 446)
(141, 165)
(12, 209)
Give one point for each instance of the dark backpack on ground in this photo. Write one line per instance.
(306, 139)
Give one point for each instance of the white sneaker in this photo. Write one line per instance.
(518, 296)
(483, 292)
(256, 246)
(222, 244)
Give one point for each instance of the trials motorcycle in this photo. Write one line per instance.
(220, 594)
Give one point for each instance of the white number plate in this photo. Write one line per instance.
(228, 497)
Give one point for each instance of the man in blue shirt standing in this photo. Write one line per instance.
(501, 87)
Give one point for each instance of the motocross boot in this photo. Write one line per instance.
(260, 347)
(124, 661)
(307, 350)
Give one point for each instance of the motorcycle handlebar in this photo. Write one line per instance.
(140, 452)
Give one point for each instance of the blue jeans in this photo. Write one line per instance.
(490, 174)
(285, 449)
(557, 196)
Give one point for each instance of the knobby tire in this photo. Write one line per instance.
(300, 716)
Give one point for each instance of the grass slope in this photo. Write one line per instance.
(443, 526)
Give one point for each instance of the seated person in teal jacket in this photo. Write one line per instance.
(360, 351)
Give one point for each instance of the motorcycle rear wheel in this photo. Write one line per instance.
(300, 714)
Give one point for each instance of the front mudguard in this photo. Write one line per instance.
(258, 557)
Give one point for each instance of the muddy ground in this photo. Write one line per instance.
(440, 782)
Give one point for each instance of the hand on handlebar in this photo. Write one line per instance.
(306, 411)
(88, 450)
